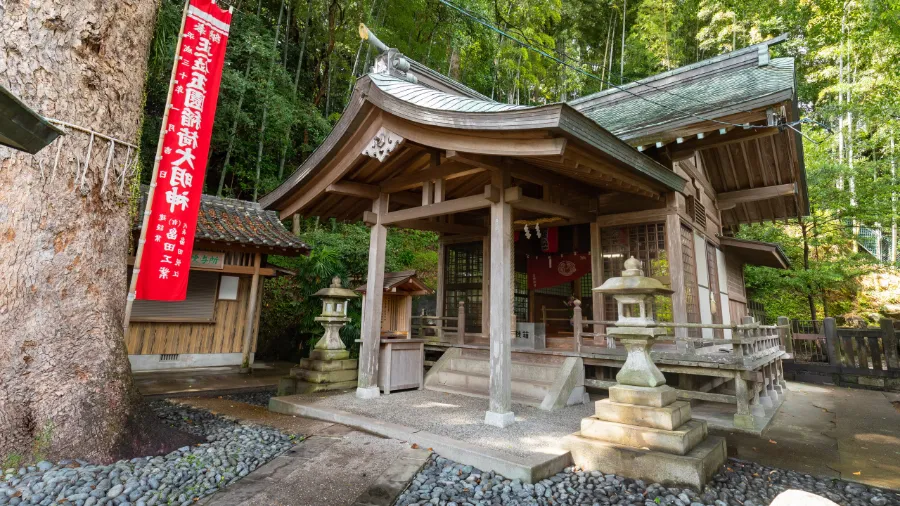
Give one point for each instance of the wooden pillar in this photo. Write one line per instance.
(743, 417)
(597, 300)
(461, 323)
(439, 296)
(576, 326)
(486, 286)
(371, 325)
(831, 342)
(500, 412)
(889, 342)
(676, 273)
(787, 341)
(252, 305)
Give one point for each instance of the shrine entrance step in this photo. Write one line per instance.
(547, 385)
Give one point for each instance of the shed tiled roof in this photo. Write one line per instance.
(709, 95)
(233, 221)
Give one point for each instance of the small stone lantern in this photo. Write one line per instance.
(634, 295)
(334, 316)
(329, 366)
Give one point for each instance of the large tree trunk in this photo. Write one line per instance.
(65, 381)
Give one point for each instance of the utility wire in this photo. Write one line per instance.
(487, 24)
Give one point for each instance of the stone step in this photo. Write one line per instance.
(666, 418)
(679, 441)
(483, 394)
(520, 371)
(532, 389)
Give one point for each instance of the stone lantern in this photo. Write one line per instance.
(329, 366)
(334, 316)
(642, 431)
(634, 294)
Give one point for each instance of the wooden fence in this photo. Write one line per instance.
(826, 353)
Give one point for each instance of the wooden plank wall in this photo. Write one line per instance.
(223, 336)
(395, 313)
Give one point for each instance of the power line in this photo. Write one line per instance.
(485, 23)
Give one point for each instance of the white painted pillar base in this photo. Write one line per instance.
(368, 392)
(501, 420)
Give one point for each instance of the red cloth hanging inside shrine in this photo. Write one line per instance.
(551, 270)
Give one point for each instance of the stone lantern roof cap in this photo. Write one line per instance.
(336, 290)
(633, 282)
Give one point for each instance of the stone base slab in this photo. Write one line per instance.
(679, 441)
(666, 418)
(656, 397)
(290, 385)
(692, 470)
(501, 420)
(311, 376)
(326, 365)
(329, 354)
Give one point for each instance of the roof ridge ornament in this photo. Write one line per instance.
(390, 60)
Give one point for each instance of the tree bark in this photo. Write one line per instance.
(65, 381)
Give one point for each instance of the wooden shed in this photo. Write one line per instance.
(217, 323)
(396, 312)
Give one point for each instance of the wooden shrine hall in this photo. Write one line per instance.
(537, 205)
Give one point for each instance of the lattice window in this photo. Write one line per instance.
(691, 290)
(463, 270)
(585, 286)
(520, 301)
(645, 242)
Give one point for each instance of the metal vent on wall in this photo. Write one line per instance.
(697, 211)
(170, 357)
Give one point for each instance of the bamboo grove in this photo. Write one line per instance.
(292, 64)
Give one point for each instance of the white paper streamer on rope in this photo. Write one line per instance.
(127, 167)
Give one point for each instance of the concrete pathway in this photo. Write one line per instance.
(830, 431)
(334, 466)
(210, 379)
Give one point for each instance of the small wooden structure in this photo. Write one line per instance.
(396, 313)
(401, 356)
(217, 323)
(574, 189)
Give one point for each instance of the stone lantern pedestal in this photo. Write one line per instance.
(329, 366)
(642, 431)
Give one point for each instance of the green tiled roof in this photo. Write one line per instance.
(700, 97)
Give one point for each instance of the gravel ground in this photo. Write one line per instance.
(444, 482)
(255, 398)
(462, 418)
(232, 451)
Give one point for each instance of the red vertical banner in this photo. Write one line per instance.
(166, 259)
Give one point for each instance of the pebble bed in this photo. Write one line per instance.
(255, 398)
(231, 452)
(444, 482)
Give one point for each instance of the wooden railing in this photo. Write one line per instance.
(861, 351)
(446, 329)
(750, 341)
